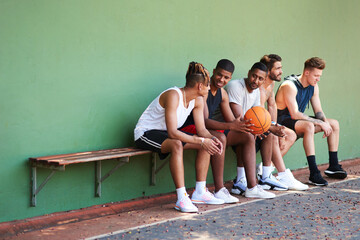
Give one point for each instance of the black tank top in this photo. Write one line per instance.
(212, 102)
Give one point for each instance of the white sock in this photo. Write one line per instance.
(266, 171)
(200, 186)
(240, 173)
(250, 189)
(181, 192)
(281, 173)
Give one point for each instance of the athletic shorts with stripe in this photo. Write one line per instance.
(152, 140)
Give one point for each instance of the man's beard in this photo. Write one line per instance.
(274, 78)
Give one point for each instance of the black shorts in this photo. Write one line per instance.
(152, 140)
(289, 123)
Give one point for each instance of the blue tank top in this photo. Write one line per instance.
(303, 97)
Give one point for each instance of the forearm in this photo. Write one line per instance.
(273, 112)
(302, 116)
(185, 137)
(204, 133)
(216, 125)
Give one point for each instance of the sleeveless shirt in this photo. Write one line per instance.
(303, 97)
(153, 118)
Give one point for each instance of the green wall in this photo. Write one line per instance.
(75, 75)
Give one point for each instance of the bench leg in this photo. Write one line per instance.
(99, 179)
(155, 170)
(34, 189)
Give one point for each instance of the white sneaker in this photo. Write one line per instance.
(205, 197)
(289, 180)
(258, 192)
(239, 187)
(185, 205)
(271, 183)
(224, 194)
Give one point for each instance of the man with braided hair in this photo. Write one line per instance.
(292, 98)
(157, 130)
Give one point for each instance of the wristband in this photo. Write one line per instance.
(274, 123)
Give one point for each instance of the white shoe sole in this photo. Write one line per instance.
(318, 184)
(262, 197)
(203, 202)
(186, 211)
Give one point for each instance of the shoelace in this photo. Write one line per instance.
(226, 192)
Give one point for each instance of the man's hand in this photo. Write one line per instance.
(213, 146)
(262, 136)
(278, 130)
(282, 142)
(241, 125)
(325, 126)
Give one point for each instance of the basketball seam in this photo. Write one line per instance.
(262, 128)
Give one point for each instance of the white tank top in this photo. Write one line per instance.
(153, 118)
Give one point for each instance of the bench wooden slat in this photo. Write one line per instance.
(66, 159)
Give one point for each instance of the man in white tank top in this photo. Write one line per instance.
(157, 130)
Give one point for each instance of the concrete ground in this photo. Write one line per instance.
(331, 212)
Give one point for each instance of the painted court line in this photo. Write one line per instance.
(189, 216)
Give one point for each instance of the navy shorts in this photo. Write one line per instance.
(152, 140)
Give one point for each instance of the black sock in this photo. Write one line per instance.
(333, 159)
(312, 164)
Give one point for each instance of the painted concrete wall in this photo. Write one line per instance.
(76, 75)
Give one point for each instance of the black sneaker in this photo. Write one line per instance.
(317, 180)
(336, 172)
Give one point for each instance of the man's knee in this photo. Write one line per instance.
(291, 136)
(221, 136)
(249, 138)
(305, 128)
(175, 145)
(334, 124)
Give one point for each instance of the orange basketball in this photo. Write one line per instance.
(261, 119)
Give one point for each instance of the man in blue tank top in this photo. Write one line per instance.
(292, 98)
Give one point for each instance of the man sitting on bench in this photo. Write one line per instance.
(157, 130)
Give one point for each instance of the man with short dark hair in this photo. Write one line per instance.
(157, 130)
(232, 132)
(292, 98)
(243, 95)
(273, 63)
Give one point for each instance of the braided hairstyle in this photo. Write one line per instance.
(196, 73)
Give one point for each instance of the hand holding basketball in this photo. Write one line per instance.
(260, 118)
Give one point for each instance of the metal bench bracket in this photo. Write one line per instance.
(155, 170)
(99, 179)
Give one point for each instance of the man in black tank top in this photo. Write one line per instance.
(291, 99)
(231, 132)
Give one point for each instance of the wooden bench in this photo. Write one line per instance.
(59, 162)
